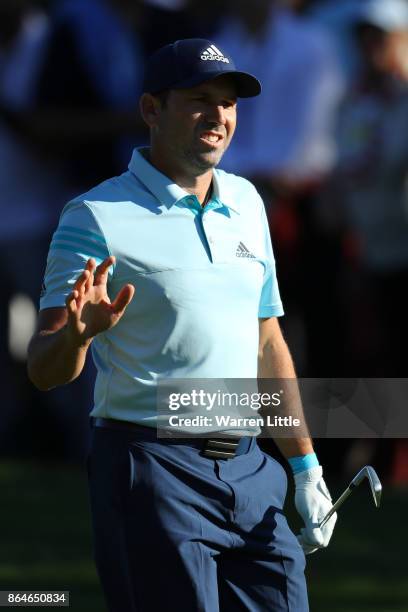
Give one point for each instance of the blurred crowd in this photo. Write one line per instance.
(326, 144)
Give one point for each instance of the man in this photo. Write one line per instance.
(179, 522)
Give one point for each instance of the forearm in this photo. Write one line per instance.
(312, 499)
(275, 362)
(55, 359)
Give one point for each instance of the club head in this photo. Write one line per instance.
(375, 483)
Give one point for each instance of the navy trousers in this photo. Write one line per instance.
(174, 530)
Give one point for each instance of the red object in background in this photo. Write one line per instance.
(284, 223)
(399, 468)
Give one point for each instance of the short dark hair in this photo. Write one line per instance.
(163, 96)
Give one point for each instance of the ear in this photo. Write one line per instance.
(150, 109)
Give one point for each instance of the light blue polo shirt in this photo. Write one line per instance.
(202, 279)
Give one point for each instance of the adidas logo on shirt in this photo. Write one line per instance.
(212, 53)
(242, 251)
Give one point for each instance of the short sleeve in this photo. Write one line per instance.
(76, 239)
(270, 304)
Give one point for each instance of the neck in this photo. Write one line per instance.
(196, 184)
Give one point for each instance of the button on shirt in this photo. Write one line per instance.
(202, 276)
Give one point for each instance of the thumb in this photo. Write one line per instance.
(123, 299)
(311, 533)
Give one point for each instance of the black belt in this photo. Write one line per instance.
(213, 448)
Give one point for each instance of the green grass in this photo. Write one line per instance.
(45, 540)
(364, 569)
(45, 543)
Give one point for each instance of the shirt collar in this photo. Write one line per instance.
(162, 187)
(167, 192)
(221, 192)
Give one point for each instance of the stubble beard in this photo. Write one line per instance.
(200, 161)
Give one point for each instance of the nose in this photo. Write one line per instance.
(216, 113)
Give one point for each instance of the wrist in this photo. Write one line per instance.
(302, 463)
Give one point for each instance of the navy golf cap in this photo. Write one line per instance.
(191, 61)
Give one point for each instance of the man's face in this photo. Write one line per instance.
(195, 126)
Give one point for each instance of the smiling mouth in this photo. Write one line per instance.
(212, 138)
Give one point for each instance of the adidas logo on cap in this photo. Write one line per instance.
(212, 53)
(242, 251)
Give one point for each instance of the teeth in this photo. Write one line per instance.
(210, 137)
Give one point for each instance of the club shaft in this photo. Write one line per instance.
(336, 505)
(375, 484)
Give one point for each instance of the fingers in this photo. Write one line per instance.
(81, 286)
(308, 550)
(328, 528)
(123, 298)
(70, 302)
(80, 282)
(101, 273)
(85, 279)
(92, 276)
(90, 266)
(313, 536)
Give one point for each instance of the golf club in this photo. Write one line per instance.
(375, 486)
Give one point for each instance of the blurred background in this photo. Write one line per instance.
(327, 147)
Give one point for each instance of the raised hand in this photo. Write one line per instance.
(90, 310)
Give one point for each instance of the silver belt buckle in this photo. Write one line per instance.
(220, 448)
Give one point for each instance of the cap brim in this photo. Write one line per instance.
(247, 85)
(379, 25)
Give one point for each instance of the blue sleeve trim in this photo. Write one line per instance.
(78, 246)
(77, 230)
(60, 234)
(265, 312)
(303, 462)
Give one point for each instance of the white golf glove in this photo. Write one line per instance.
(313, 501)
